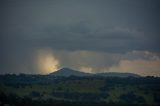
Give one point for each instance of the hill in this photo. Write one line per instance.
(66, 72)
(69, 72)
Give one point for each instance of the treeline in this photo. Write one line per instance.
(23, 79)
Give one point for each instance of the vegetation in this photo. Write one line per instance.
(43, 90)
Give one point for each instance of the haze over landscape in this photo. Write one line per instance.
(93, 36)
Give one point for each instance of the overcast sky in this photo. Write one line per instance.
(41, 36)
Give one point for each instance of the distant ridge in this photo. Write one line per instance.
(117, 74)
(69, 72)
(66, 72)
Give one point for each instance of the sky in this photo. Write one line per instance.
(42, 36)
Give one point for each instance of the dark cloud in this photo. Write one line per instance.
(120, 25)
(112, 26)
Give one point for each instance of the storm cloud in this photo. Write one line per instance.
(83, 34)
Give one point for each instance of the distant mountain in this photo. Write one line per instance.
(69, 72)
(117, 74)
